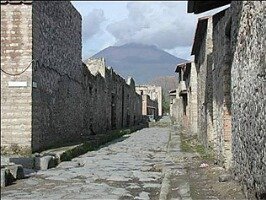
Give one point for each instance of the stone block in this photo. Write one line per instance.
(45, 162)
(3, 177)
(225, 177)
(4, 161)
(16, 171)
(26, 162)
(6, 177)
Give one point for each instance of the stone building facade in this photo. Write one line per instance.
(172, 98)
(149, 107)
(229, 50)
(16, 74)
(155, 94)
(202, 50)
(248, 91)
(183, 100)
(49, 97)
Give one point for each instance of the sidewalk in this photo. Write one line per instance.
(192, 175)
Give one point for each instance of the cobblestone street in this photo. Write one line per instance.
(133, 100)
(148, 164)
(128, 168)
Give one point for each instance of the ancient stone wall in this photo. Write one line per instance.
(184, 108)
(221, 86)
(96, 66)
(123, 104)
(57, 101)
(16, 76)
(177, 105)
(238, 88)
(149, 107)
(154, 92)
(248, 94)
(203, 62)
(172, 98)
(192, 100)
(177, 111)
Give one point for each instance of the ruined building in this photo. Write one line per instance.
(149, 107)
(229, 50)
(48, 96)
(154, 93)
(183, 104)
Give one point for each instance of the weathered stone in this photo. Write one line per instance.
(28, 172)
(68, 164)
(58, 99)
(230, 60)
(183, 105)
(225, 177)
(248, 93)
(16, 171)
(151, 98)
(143, 196)
(15, 107)
(6, 177)
(26, 162)
(4, 161)
(45, 162)
(3, 177)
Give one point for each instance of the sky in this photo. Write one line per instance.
(164, 24)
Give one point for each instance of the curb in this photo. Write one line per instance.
(14, 167)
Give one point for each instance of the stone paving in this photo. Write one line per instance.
(128, 168)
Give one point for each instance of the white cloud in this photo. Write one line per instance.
(165, 24)
(91, 23)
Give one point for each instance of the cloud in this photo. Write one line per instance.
(164, 24)
(91, 23)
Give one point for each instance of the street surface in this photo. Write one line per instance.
(144, 165)
(128, 168)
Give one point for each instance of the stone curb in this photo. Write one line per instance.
(169, 169)
(13, 168)
(165, 186)
(11, 173)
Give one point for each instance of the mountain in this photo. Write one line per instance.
(142, 62)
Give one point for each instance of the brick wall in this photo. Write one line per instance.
(16, 56)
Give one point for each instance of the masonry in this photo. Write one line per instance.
(149, 107)
(229, 52)
(16, 91)
(49, 97)
(154, 93)
(184, 103)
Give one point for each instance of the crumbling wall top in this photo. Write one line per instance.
(16, 2)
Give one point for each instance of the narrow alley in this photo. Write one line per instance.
(147, 164)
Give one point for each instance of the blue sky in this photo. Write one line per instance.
(164, 24)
